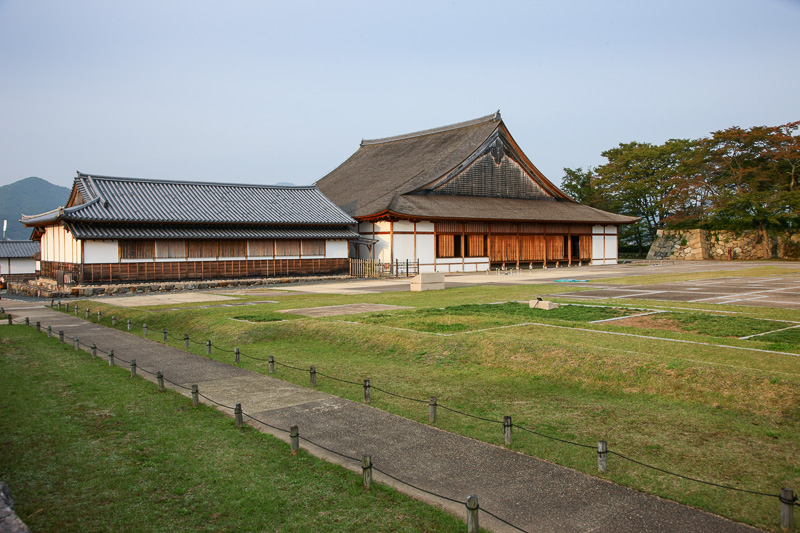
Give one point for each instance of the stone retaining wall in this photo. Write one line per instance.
(45, 289)
(697, 244)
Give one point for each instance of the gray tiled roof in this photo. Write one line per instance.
(119, 200)
(82, 230)
(19, 248)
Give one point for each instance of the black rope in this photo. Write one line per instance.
(292, 367)
(221, 349)
(503, 521)
(691, 478)
(264, 423)
(397, 395)
(469, 415)
(554, 438)
(184, 387)
(216, 402)
(414, 486)
(339, 379)
(253, 357)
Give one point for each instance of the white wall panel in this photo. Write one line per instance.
(101, 251)
(597, 247)
(611, 248)
(336, 249)
(21, 265)
(404, 247)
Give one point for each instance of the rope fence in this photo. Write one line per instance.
(786, 497)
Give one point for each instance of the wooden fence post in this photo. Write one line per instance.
(366, 468)
(144, 328)
(113, 320)
(10, 320)
(237, 411)
(59, 305)
(472, 514)
(87, 312)
(60, 333)
(76, 309)
(507, 425)
(432, 410)
(208, 347)
(165, 336)
(186, 340)
(130, 325)
(313, 373)
(602, 456)
(271, 364)
(27, 322)
(111, 358)
(367, 392)
(133, 368)
(195, 396)
(787, 509)
(77, 343)
(236, 355)
(49, 329)
(94, 350)
(294, 437)
(38, 326)
(160, 380)
(99, 316)
(66, 308)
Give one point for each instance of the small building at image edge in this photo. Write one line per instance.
(115, 230)
(18, 261)
(464, 198)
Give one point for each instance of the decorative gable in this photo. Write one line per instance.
(492, 172)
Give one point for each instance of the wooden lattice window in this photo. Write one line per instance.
(202, 249)
(446, 245)
(287, 248)
(232, 248)
(261, 248)
(172, 249)
(137, 249)
(313, 247)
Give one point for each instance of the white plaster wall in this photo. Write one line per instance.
(597, 249)
(365, 227)
(5, 266)
(58, 245)
(404, 247)
(21, 265)
(384, 225)
(101, 252)
(611, 230)
(403, 225)
(597, 230)
(611, 249)
(424, 226)
(336, 249)
(382, 249)
(426, 249)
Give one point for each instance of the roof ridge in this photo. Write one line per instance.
(187, 182)
(440, 129)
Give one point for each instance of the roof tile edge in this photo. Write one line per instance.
(473, 122)
(186, 182)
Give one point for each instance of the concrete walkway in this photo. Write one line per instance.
(529, 493)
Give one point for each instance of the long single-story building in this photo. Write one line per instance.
(114, 230)
(18, 260)
(465, 197)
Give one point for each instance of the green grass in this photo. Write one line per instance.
(87, 448)
(727, 415)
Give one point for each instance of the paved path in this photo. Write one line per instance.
(532, 494)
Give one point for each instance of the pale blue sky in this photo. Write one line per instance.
(263, 92)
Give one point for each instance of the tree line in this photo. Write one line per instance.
(734, 179)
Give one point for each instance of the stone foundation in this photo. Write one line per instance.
(47, 288)
(697, 245)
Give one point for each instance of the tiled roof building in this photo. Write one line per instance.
(464, 197)
(127, 229)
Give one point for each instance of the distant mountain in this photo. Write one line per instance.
(29, 196)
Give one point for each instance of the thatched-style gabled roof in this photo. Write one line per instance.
(470, 170)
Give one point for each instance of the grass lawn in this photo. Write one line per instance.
(684, 394)
(87, 448)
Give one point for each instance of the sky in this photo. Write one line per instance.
(267, 92)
